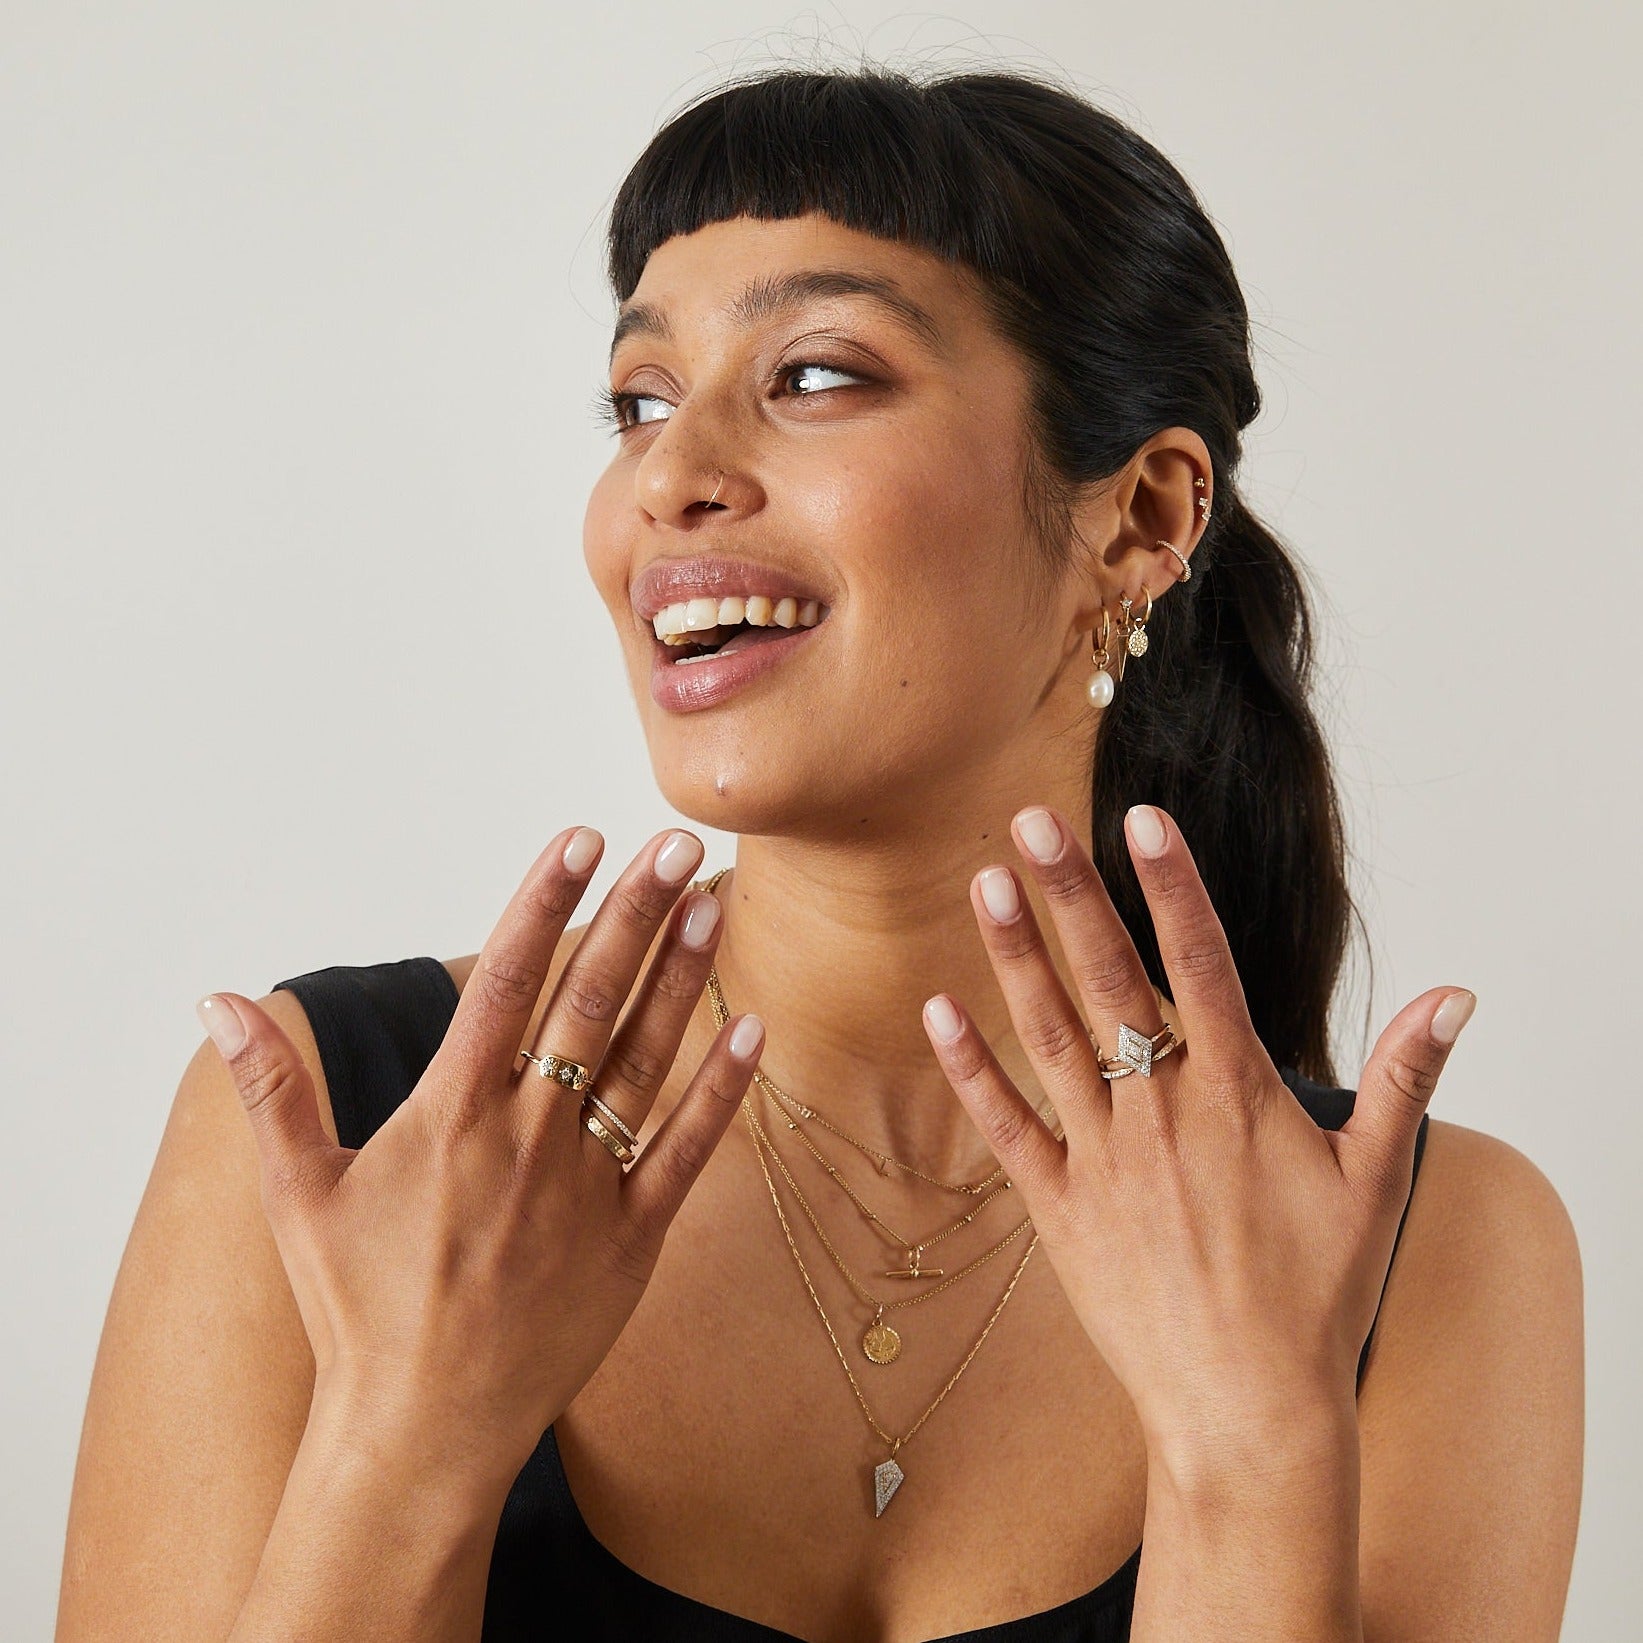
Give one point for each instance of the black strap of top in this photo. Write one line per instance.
(378, 1025)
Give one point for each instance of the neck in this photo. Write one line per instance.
(836, 947)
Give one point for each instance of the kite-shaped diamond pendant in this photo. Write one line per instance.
(887, 1478)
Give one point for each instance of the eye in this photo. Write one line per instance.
(788, 372)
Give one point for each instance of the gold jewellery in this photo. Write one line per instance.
(1132, 629)
(603, 1121)
(880, 1343)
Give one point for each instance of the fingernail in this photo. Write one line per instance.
(222, 1021)
(944, 1020)
(998, 894)
(1147, 829)
(583, 847)
(746, 1037)
(1451, 1015)
(701, 919)
(1040, 834)
(677, 858)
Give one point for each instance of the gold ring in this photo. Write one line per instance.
(613, 1143)
(572, 1074)
(613, 1118)
(1138, 1052)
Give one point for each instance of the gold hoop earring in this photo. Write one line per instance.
(1186, 569)
(1101, 686)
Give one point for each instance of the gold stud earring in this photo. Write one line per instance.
(1101, 684)
(1203, 502)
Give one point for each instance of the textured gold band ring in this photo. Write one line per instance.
(612, 1118)
(1137, 1051)
(572, 1074)
(613, 1143)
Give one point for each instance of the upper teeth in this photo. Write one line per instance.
(693, 620)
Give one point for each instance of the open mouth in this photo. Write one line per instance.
(691, 633)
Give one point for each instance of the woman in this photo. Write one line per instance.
(922, 539)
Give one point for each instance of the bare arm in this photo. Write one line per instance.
(370, 1544)
(216, 1494)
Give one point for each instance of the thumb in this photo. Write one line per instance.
(1396, 1086)
(274, 1085)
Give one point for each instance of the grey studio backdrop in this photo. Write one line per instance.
(301, 314)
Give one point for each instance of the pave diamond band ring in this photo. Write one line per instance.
(1137, 1051)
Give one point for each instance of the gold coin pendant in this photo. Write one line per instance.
(881, 1343)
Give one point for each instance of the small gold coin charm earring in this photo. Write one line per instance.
(1134, 629)
(1101, 685)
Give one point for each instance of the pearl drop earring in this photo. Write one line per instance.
(1101, 686)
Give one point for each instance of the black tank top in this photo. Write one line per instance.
(377, 1027)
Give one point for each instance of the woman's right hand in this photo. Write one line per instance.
(463, 1274)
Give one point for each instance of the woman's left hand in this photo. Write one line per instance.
(1225, 1253)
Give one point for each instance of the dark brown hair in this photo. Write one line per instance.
(1096, 260)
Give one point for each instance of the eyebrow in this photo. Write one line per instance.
(771, 294)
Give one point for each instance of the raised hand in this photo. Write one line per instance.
(466, 1271)
(1224, 1252)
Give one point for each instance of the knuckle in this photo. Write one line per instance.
(557, 896)
(638, 1065)
(1415, 1079)
(1107, 974)
(588, 995)
(507, 982)
(679, 981)
(1016, 941)
(1068, 880)
(1200, 957)
(1057, 1039)
(642, 902)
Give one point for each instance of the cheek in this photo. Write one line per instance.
(605, 550)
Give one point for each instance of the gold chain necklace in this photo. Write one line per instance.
(914, 1251)
(879, 1342)
(887, 1474)
(882, 1159)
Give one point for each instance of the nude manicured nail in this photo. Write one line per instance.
(1147, 829)
(746, 1037)
(1040, 835)
(700, 921)
(677, 858)
(998, 894)
(1451, 1015)
(582, 847)
(943, 1018)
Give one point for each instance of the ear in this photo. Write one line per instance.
(1122, 520)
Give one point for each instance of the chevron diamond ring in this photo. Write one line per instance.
(1137, 1051)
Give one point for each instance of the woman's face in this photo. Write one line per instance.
(864, 458)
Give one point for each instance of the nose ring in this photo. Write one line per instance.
(712, 499)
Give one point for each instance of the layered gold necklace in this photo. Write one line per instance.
(880, 1343)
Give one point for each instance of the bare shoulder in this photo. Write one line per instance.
(1472, 1408)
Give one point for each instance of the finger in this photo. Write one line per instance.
(1204, 981)
(494, 1012)
(1046, 1021)
(1032, 1155)
(1398, 1081)
(645, 1045)
(294, 1152)
(655, 1186)
(595, 984)
(1112, 981)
